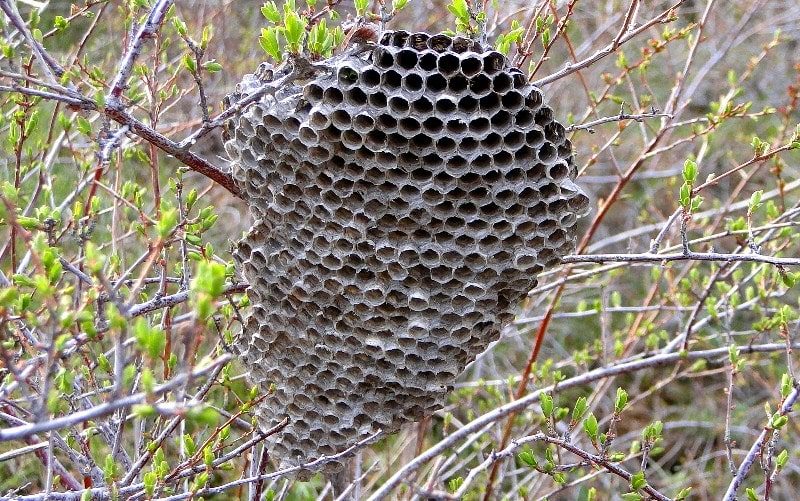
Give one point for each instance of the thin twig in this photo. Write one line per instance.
(758, 445)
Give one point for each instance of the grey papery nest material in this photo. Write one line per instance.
(404, 199)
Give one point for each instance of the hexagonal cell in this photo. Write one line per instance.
(468, 104)
(458, 85)
(382, 58)
(356, 97)
(440, 43)
(448, 64)
(406, 58)
(377, 100)
(333, 96)
(370, 78)
(493, 62)
(421, 106)
(347, 76)
(436, 83)
(399, 106)
(413, 83)
(427, 61)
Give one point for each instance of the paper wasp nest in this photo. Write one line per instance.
(404, 201)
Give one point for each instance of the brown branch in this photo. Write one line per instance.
(664, 17)
(194, 162)
(147, 30)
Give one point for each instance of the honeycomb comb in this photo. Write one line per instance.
(404, 201)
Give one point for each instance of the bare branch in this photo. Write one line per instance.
(648, 257)
(477, 424)
(148, 30)
(20, 432)
(758, 445)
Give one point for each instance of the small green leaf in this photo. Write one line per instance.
(151, 340)
(203, 415)
(690, 171)
(460, 10)
(546, 401)
(212, 66)
(270, 43)
(638, 481)
(180, 26)
(454, 483)
(361, 7)
(168, 222)
(621, 401)
(755, 200)
(782, 459)
(189, 445)
(189, 63)
(527, 458)
(270, 11)
(294, 30)
(685, 195)
(398, 5)
(591, 427)
(84, 127)
(579, 410)
(786, 385)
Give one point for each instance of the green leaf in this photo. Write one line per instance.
(591, 427)
(778, 421)
(270, 11)
(149, 479)
(208, 456)
(294, 31)
(212, 66)
(460, 10)
(151, 340)
(690, 171)
(782, 459)
(786, 385)
(168, 222)
(189, 445)
(143, 411)
(755, 200)
(546, 401)
(579, 410)
(60, 23)
(361, 7)
(398, 5)
(29, 223)
(455, 483)
(189, 63)
(206, 37)
(638, 481)
(148, 380)
(685, 195)
(203, 415)
(84, 127)
(621, 401)
(180, 26)
(751, 494)
(270, 43)
(527, 458)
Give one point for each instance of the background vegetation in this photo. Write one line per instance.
(656, 363)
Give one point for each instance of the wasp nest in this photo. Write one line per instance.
(404, 201)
